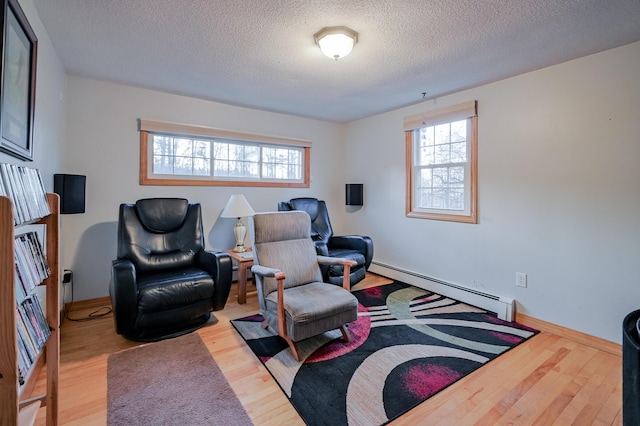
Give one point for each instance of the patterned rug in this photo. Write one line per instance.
(406, 345)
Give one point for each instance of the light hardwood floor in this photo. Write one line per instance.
(548, 380)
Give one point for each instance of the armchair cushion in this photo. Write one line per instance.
(314, 308)
(162, 215)
(313, 302)
(169, 290)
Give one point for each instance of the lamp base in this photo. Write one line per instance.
(240, 231)
(240, 248)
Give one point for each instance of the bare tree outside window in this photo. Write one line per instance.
(441, 149)
(182, 154)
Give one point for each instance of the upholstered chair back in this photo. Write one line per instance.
(160, 233)
(317, 210)
(282, 240)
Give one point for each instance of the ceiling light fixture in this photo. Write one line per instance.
(336, 42)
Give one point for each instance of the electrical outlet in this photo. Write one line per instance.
(521, 279)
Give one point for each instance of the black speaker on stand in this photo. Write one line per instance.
(354, 194)
(71, 189)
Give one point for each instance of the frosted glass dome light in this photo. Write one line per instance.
(336, 42)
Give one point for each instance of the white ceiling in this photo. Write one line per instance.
(261, 53)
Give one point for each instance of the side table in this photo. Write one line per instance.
(243, 264)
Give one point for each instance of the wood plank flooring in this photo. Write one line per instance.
(549, 380)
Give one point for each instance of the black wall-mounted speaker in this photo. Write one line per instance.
(355, 194)
(71, 189)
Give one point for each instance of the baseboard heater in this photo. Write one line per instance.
(501, 306)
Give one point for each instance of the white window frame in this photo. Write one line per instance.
(412, 125)
(149, 128)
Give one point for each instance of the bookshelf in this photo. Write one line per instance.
(17, 405)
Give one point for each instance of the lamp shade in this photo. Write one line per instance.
(336, 42)
(237, 206)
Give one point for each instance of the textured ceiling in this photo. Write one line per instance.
(261, 53)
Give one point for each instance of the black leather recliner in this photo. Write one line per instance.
(353, 247)
(163, 282)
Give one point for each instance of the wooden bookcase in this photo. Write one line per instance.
(17, 405)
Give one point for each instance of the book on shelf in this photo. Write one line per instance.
(23, 370)
(8, 189)
(33, 330)
(31, 263)
(25, 340)
(24, 186)
(38, 313)
(21, 288)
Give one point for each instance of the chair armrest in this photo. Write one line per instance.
(220, 267)
(346, 283)
(284, 206)
(264, 271)
(321, 248)
(326, 260)
(282, 317)
(361, 243)
(123, 290)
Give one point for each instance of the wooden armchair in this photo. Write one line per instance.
(293, 299)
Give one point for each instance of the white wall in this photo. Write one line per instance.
(104, 146)
(49, 120)
(559, 193)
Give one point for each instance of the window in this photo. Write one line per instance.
(441, 150)
(177, 154)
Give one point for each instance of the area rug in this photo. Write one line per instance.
(172, 382)
(406, 345)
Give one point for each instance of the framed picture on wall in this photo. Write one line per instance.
(17, 82)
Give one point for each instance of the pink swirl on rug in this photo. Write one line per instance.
(514, 340)
(425, 380)
(494, 319)
(359, 332)
(375, 293)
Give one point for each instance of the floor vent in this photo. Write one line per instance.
(502, 306)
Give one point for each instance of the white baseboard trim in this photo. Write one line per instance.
(504, 307)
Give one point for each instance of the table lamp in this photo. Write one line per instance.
(238, 206)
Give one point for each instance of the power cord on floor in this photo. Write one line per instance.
(97, 314)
